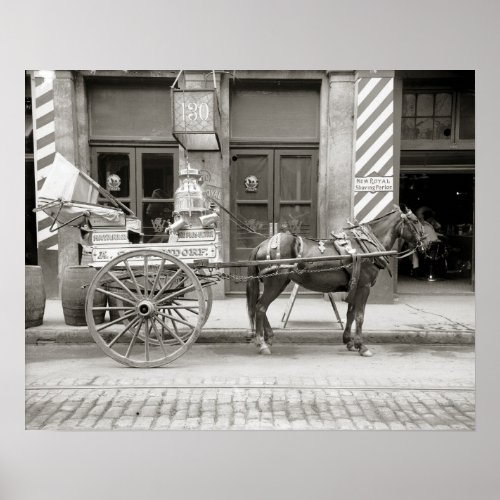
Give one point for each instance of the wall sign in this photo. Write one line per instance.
(196, 119)
(374, 183)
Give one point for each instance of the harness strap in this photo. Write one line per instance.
(301, 246)
(381, 262)
(353, 282)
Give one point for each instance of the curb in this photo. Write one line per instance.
(81, 335)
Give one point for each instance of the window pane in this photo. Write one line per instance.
(256, 217)
(157, 175)
(296, 218)
(409, 104)
(425, 104)
(295, 178)
(443, 105)
(408, 130)
(113, 172)
(156, 216)
(424, 128)
(442, 129)
(467, 116)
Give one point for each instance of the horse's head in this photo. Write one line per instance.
(411, 229)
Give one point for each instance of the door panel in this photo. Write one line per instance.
(271, 190)
(295, 191)
(251, 200)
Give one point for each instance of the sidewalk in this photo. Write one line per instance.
(448, 319)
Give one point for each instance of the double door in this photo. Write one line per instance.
(272, 190)
(144, 179)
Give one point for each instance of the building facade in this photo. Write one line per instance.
(297, 150)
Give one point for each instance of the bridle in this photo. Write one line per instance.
(405, 219)
(419, 235)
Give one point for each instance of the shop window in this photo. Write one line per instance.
(427, 116)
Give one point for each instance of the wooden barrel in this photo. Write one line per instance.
(34, 296)
(75, 283)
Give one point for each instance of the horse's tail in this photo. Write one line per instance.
(252, 290)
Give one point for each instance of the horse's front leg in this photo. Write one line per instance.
(359, 315)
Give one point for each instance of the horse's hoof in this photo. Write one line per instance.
(350, 346)
(265, 350)
(365, 352)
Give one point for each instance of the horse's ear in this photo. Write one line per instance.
(404, 208)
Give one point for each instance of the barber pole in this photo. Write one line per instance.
(42, 90)
(374, 148)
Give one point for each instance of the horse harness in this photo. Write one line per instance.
(365, 239)
(342, 242)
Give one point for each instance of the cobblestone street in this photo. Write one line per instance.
(249, 408)
(320, 387)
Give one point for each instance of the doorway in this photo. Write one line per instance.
(446, 200)
(272, 190)
(143, 179)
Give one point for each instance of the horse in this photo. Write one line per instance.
(327, 276)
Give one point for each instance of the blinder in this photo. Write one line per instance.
(419, 234)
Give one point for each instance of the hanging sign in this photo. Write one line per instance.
(374, 183)
(196, 119)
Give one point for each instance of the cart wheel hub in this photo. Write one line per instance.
(145, 308)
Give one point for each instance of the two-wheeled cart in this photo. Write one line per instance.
(157, 295)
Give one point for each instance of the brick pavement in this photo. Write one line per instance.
(264, 406)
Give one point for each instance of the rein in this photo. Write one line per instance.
(399, 255)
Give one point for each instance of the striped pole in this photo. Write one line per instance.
(42, 91)
(374, 148)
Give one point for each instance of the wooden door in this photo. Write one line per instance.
(144, 179)
(271, 190)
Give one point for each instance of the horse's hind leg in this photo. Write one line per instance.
(360, 301)
(347, 337)
(268, 331)
(263, 331)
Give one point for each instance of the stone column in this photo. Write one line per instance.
(66, 139)
(213, 164)
(338, 176)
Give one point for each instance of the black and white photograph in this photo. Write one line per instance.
(260, 250)
(250, 250)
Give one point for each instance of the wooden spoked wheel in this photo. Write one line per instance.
(206, 285)
(161, 308)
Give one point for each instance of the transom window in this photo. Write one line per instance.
(427, 116)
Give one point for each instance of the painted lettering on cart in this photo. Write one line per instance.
(182, 252)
